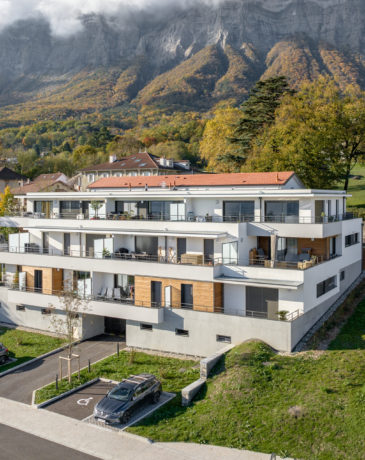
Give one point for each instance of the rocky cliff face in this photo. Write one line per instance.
(251, 37)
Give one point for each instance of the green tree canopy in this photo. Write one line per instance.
(258, 111)
(318, 132)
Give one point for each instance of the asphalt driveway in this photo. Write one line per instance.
(19, 384)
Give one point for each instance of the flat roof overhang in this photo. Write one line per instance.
(223, 192)
(103, 231)
(267, 283)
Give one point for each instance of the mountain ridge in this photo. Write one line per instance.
(185, 58)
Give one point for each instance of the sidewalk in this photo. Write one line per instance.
(109, 445)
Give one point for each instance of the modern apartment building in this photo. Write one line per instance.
(184, 263)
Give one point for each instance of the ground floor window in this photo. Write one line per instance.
(224, 338)
(262, 302)
(326, 286)
(182, 332)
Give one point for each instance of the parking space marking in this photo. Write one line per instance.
(84, 402)
(80, 405)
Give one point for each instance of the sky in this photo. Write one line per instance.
(64, 15)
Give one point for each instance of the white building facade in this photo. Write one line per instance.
(185, 264)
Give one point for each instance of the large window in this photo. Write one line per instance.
(351, 239)
(83, 283)
(187, 296)
(44, 208)
(326, 286)
(126, 285)
(282, 211)
(230, 253)
(147, 245)
(69, 209)
(238, 211)
(287, 249)
(261, 302)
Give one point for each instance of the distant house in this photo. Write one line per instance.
(54, 182)
(10, 178)
(139, 164)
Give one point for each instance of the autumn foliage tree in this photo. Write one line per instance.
(216, 140)
(318, 132)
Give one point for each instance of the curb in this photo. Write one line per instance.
(33, 360)
(81, 369)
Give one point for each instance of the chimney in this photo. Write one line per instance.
(112, 158)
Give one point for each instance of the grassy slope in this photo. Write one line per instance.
(352, 335)
(174, 374)
(246, 404)
(26, 345)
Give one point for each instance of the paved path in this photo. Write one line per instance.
(17, 445)
(19, 385)
(106, 444)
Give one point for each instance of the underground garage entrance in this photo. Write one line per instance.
(114, 326)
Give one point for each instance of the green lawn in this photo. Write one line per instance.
(357, 188)
(174, 374)
(24, 345)
(246, 404)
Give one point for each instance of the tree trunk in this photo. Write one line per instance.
(69, 370)
(347, 178)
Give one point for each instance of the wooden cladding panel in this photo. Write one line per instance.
(320, 246)
(52, 278)
(263, 242)
(205, 294)
(218, 296)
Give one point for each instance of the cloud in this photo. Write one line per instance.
(65, 16)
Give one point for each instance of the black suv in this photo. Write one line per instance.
(4, 354)
(119, 404)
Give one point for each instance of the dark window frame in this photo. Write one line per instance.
(182, 332)
(352, 239)
(20, 307)
(146, 327)
(223, 338)
(241, 215)
(326, 286)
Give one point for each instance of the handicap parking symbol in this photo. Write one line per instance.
(84, 402)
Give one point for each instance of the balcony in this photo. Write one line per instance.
(190, 217)
(122, 308)
(129, 309)
(192, 259)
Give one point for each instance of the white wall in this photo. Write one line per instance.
(56, 243)
(234, 299)
(203, 206)
(203, 329)
(195, 245)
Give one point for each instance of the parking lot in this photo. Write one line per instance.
(80, 404)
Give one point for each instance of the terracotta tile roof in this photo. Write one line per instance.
(196, 180)
(42, 183)
(139, 160)
(48, 177)
(142, 160)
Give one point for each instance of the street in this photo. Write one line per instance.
(18, 445)
(19, 385)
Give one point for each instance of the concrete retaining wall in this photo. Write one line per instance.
(206, 365)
